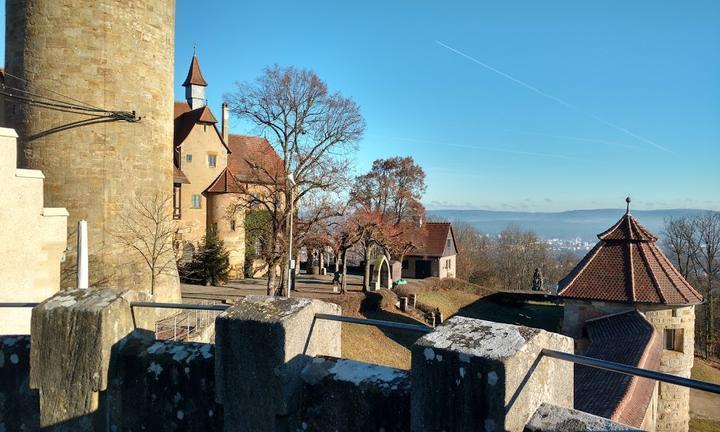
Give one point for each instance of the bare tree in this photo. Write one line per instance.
(707, 259)
(679, 240)
(148, 229)
(313, 131)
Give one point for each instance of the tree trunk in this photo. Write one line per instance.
(337, 262)
(271, 280)
(366, 274)
(343, 284)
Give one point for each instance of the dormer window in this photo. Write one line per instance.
(212, 160)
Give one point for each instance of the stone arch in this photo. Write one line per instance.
(381, 273)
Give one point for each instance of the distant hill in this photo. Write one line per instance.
(566, 225)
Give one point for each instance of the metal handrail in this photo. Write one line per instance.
(632, 370)
(18, 305)
(179, 306)
(374, 322)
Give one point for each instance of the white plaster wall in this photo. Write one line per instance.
(33, 239)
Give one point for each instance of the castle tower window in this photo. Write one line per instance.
(188, 158)
(212, 160)
(674, 339)
(232, 225)
(196, 201)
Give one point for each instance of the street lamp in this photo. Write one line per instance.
(291, 262)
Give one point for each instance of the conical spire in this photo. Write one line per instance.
(194, 76)
(627, 266)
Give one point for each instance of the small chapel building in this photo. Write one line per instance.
(625, 302)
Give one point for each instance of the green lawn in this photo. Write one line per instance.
(546, 316)
(703, 405)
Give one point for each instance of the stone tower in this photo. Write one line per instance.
(627, 271)
(111, 54)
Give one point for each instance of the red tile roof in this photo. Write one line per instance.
(225, 182)
(627, 266)
(627, 338)
(254, 160)
(433, 239)
(179, 176)
(194, 75)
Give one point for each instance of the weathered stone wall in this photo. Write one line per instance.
(233, 235)
(29, 258)
(349, 395)
(163, 386)
(480, 375)
(19, 406)
(673, 405)
(577, 312)
(113, 54)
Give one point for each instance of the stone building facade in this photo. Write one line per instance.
(29, 258)
(214, 170)
(627, 273)
(111, 55)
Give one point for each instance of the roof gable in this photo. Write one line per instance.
(433, 240)
(186, 119)
(254, 160)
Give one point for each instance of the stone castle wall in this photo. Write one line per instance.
(113, 54)
(674, 401)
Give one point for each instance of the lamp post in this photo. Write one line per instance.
(291, 262)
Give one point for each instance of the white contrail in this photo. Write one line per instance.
(555, 98)
(574, 138)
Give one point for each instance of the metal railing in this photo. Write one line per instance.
(18, 305)
(374, 322)
(632, 370)
(182, 326)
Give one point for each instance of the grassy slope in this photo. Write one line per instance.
(702, 402)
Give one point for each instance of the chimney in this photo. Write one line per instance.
(225, 122)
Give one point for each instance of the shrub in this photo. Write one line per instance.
(210, 264)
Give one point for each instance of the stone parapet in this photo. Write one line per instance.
(552, 418)
(262, 345)
(19, 406)
(349, 395)
(480, 375)
(73, 336)
(163, 386)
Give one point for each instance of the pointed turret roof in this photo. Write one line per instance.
(194, 76)
(627, 266)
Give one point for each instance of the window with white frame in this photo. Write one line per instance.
(212, 160)
(196, 200)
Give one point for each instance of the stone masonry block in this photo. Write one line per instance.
(480, 375)
(75, 331)
(262, 345)
(348, 395)
(551, 418)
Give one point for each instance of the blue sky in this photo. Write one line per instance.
(513, 105)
